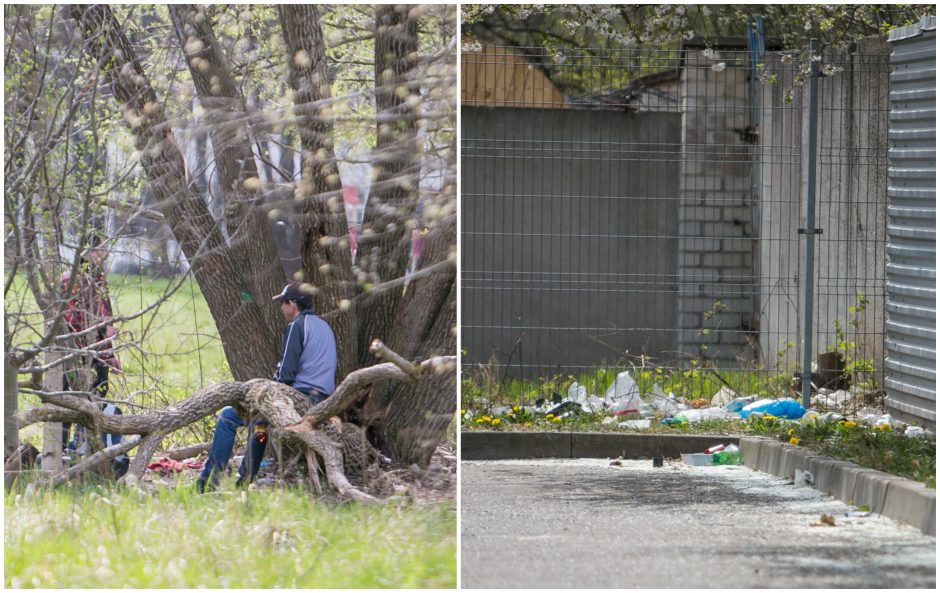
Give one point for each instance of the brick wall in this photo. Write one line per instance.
(716, 220)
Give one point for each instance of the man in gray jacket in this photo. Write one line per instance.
(307, 363)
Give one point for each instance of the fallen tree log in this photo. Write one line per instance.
(342, 447)
(184, 452)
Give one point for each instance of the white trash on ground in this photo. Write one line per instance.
(723, 397)
(578, 394)
(642, 423)
(914, 431)
(833, 399)
(623, 395)
(692, 416)
(666, 404)
(803, 478)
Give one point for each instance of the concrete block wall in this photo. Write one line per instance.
(717, 235)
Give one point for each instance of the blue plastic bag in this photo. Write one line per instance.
(781, 408)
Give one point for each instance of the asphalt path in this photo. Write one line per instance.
(584, 523)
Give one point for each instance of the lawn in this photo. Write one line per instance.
(100, 536)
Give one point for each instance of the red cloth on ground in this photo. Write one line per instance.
(166, 466)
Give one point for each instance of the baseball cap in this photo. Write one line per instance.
(292, 292)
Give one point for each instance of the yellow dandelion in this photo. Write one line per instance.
(515, 408)
(463, 412)
(790, 432)
(850, 424)
(884, 427)
(549, 416)
(486, 419)
(479, 420)
(794, 441)
(556, 419)
(495, 422)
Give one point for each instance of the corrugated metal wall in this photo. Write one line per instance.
(911, 352)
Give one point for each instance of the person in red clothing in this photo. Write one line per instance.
(89, 306)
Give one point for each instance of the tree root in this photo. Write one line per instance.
(316, 428)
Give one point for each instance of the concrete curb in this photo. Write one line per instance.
(894, 497)
(542, 445)
(903, 500)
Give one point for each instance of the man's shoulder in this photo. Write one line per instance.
(314, 320)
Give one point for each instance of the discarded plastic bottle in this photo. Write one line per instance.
(731, 455)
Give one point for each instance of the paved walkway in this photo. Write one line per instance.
(584, 523)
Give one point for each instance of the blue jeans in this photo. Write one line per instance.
(223, 441)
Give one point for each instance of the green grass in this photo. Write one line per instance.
(100, 537)
(105, 537)
(886, 450)
(174, 349)
(182, 351)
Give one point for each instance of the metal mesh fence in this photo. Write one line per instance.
(645, 210)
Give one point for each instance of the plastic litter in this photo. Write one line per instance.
(833, 399)
(830, 417)
(623, 395)
(877, 421)
(666, 404)
(810, 417)
(577, 392)
(803, 478)
(696, 458)
(913, 431)
(692, 416)
(590, 404)
(738, 403)
(723, 397)
(730, 455)
(643, 423)
(781, 408)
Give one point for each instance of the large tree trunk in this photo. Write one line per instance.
(236, 309)
(427, 311)
(250, 236)
(383, 249)
(325, 254)
(409, 420)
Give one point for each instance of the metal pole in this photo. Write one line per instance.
(810, 230)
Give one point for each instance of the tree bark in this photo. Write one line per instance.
(383, 247)
(234, 307)
(396, 413)
(51, 431)
(11, 430)
(415, 416)
(325, 255)
(250, 236)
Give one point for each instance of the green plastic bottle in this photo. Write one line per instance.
(731, 455)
